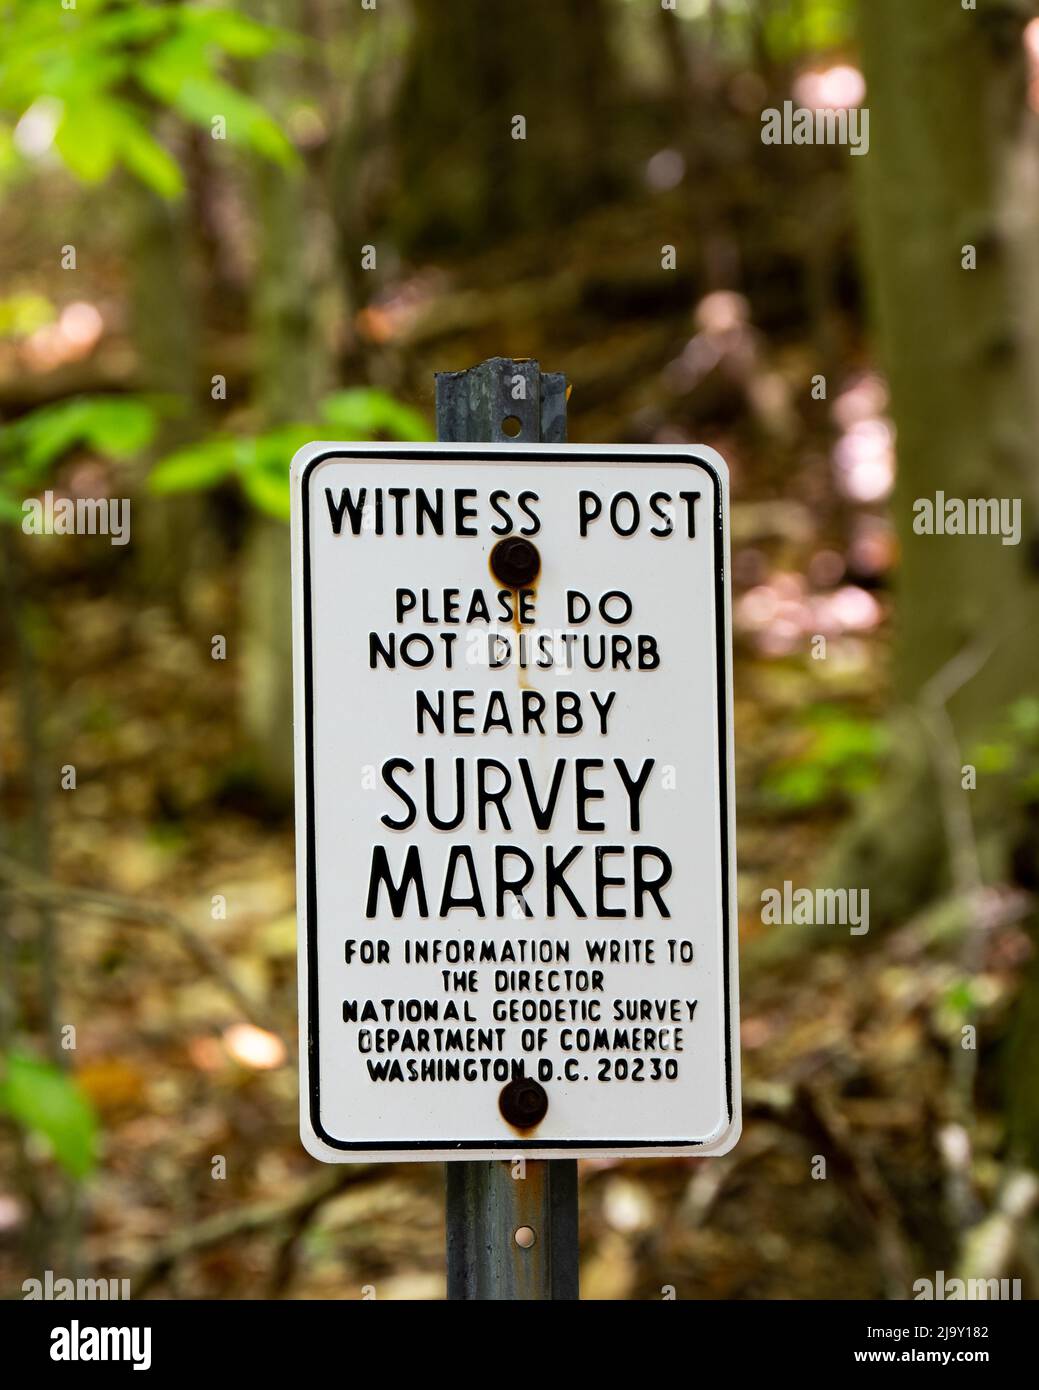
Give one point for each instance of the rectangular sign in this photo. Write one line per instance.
(517, 910)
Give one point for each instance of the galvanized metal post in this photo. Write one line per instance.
(488, 1204)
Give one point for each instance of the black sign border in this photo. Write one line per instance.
(444, 453)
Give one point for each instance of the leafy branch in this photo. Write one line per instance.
(88, 82)
(259, 463)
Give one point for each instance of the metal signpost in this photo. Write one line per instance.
(515, 820)
(487, 1202)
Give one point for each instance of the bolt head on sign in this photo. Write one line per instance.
(517, 906)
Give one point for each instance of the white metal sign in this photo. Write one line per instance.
(514, 801)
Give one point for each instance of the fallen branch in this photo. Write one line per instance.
(36, 887)
(825, 1119)
(295, 1212)
(805, 1109)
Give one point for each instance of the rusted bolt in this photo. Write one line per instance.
(515, 561)
(523, 1102)
(525, 1237)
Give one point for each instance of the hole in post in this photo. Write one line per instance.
(512, 425)
(525, 1237)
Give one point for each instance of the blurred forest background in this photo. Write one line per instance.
(228, 229)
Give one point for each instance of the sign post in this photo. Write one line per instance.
(488, 1203)
(517, 935)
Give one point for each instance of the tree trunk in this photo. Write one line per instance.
(960, 358)
(946, 94)
(169, 532)
(288, 376)
(464, 179)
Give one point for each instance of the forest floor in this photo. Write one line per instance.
(846, 1049)
(845, 1052)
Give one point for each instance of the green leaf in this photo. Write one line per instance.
(270, 494)
(86, 61)
(151, 162)
(261, 462)
(274, 449)
(200, 98)
(233, 33)
(133, 24)
(807, 26)
(796, 788)
(9, 157)
(11, 508)
(168, 65)
(841, 740)
(22, 314)
(994, 758)
(114, 425)
(265, 472)
(196, 467)
(364, 412)
(47, 1101)
(1024, 716)
(840, 758)
(118, 426)
(88, 137)
(959, 997)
